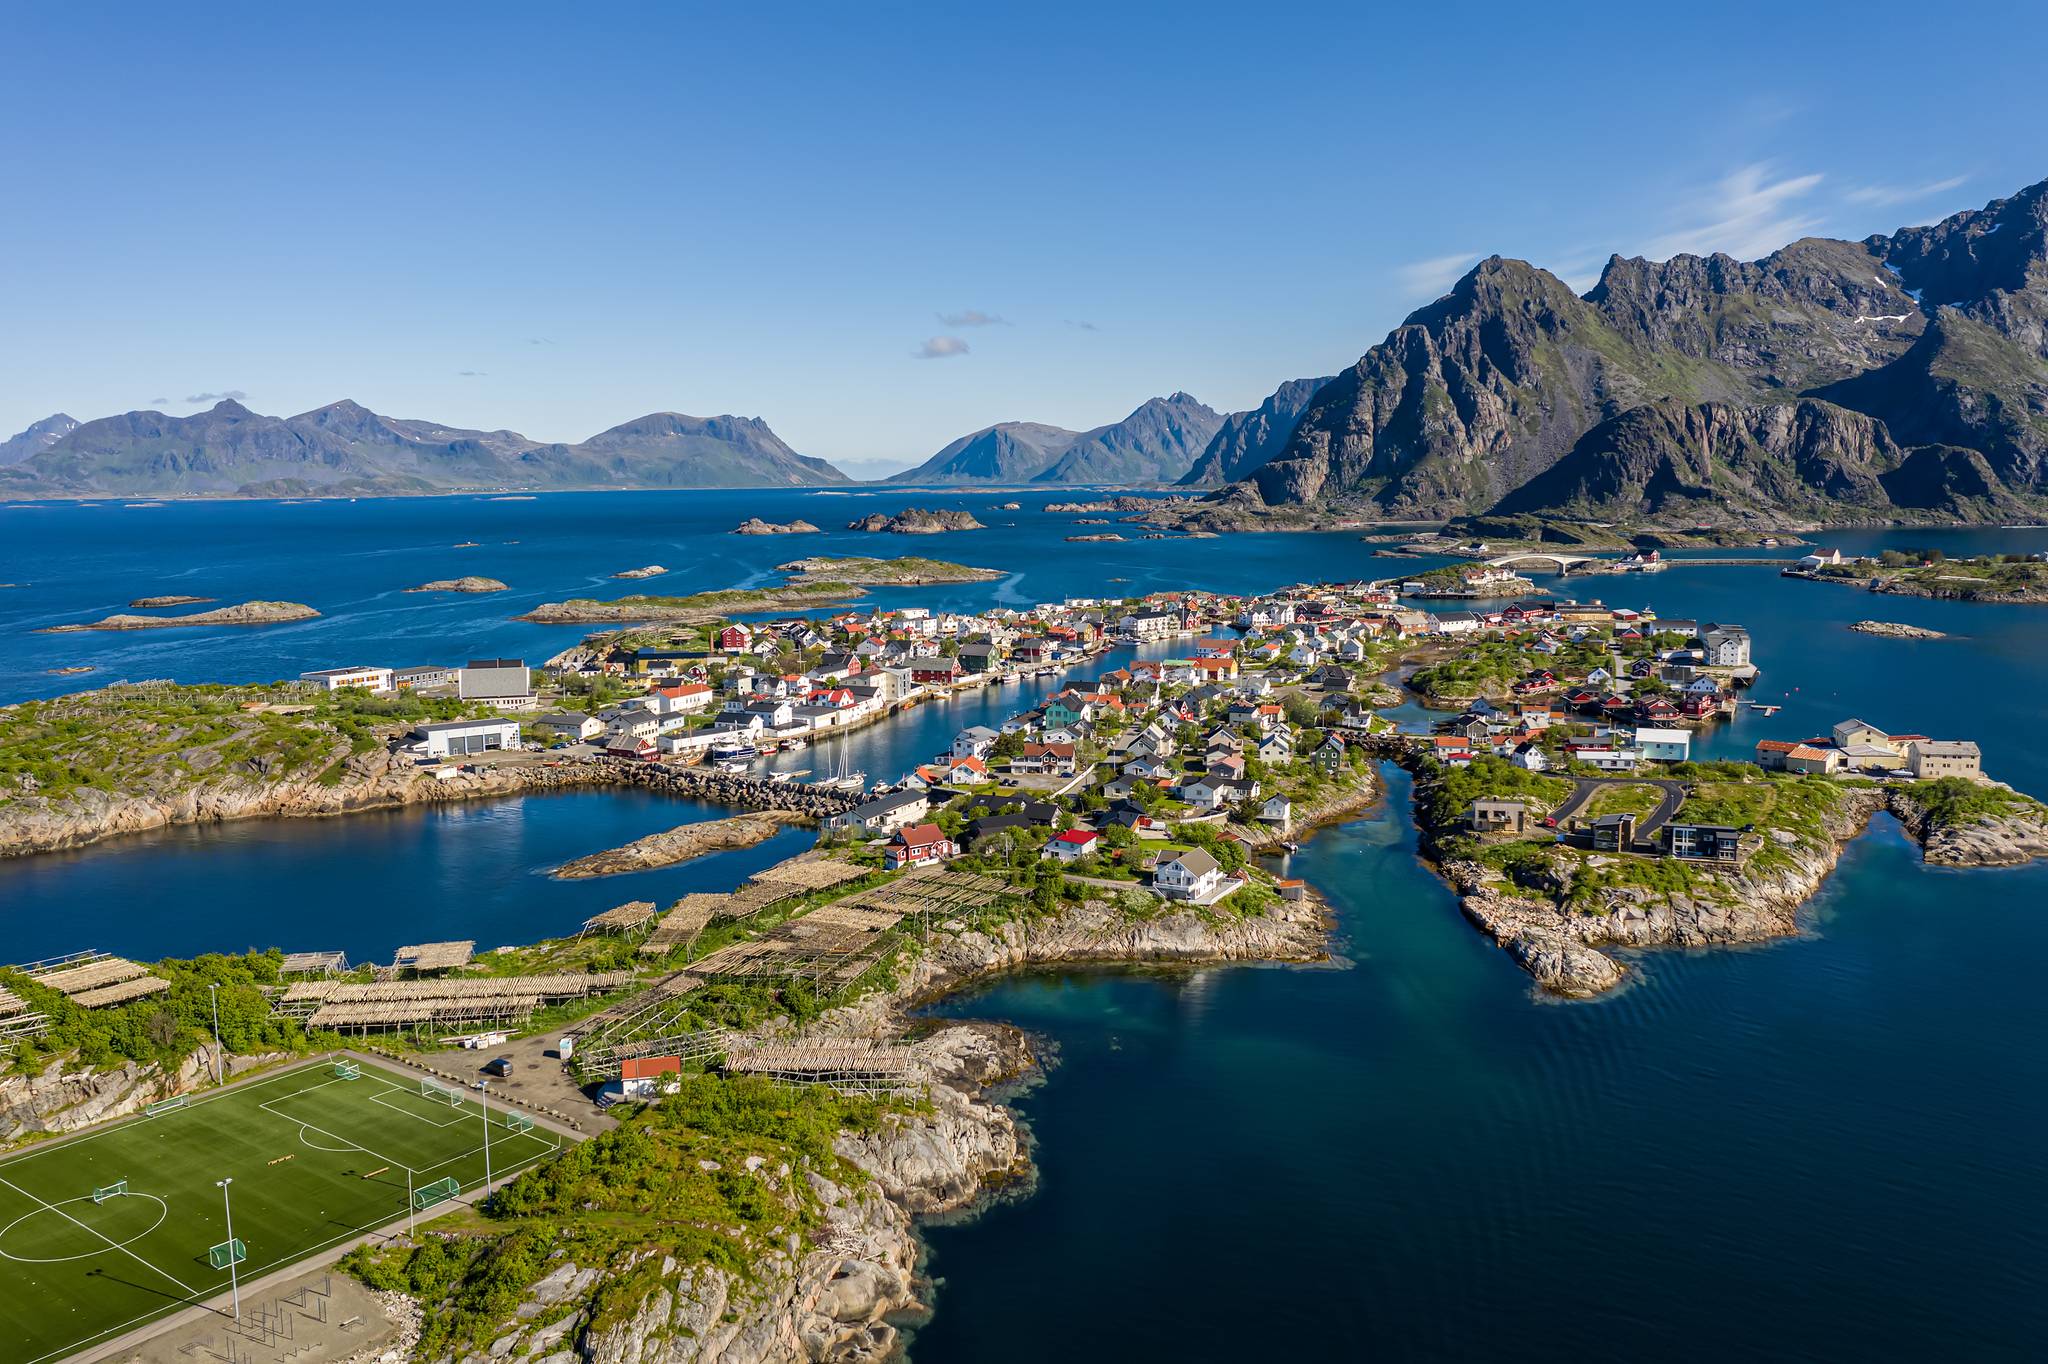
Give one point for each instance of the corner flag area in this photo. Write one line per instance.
(102, 1232)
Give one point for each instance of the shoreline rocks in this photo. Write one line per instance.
(646, 571)
(1894, 630)
(471, 583)
(377, 781)
(246, 613)
(147, 603)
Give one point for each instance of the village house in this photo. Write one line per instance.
(1664, 745)
(884, 813)
(1492, 816)
(1192, 875)
(1071, 846)
(918, 845)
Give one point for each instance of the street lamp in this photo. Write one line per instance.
(234, 1276)
(213, 993)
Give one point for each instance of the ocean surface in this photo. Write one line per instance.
(1826, 1148)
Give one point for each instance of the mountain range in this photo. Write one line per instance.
(1157, 443)
(344, 448)
(1898, 377)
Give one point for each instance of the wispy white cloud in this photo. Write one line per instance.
(225, 395)
(1748, 213)
(941, 348)
(1429, 278)
(1884, 196)
(1079, 325)
(973, 317)
(471, 373)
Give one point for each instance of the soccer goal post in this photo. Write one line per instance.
(164, 1105)
(518, 1122)
(347, 1070)
(440, 1191)
(107, 1191)
(227, 1253)
(440, 1093)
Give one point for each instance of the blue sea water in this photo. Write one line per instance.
(1826, 1148)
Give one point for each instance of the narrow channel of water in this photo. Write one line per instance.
(1825, 1148)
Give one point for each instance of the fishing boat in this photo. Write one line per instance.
(1764, 708)
(743, 754)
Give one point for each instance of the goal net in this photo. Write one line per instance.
(440, 1191)
(518, 1122)
(440, 1093)
(164, 1105)
(107, 1191)
(347, 1070)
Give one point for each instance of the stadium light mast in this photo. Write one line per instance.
(219, 1075)
(234, 1276)
(483, 1098)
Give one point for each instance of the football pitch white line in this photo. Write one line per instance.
(383, 1102)
(116, 1245)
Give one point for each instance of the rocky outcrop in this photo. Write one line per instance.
(1992, 840)
(245, 613)
(754, 525)
(917, 521)
(830, 1297)
(67, 1097)
(470, 583)
(645, 571)
(157, 603)
(680, 844)
(1894, 630)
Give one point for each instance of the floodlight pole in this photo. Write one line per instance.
(234, 1275)
(483, 1098)
(213, 993)
(409, 1204)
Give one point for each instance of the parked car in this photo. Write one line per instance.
(500, 1067)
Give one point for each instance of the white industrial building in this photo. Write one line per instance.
(455, 738)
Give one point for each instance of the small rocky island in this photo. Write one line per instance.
(820, 581)
(1891, 629)
(917, 521)
(245, 613)
(471, 583)
(149, 603)
(645, 571)
(754, 525)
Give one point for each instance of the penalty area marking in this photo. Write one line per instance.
(146, 1264)
(163, 1210)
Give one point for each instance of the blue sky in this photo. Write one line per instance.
(881, 226)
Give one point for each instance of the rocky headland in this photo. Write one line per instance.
(681, 844)
(246, 613)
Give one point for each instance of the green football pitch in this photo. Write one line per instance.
(102, 1232)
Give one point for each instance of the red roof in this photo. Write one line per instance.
(921, 833)
(1078, 837)
(647, 1067)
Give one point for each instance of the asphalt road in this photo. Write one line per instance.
(1672, 795)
